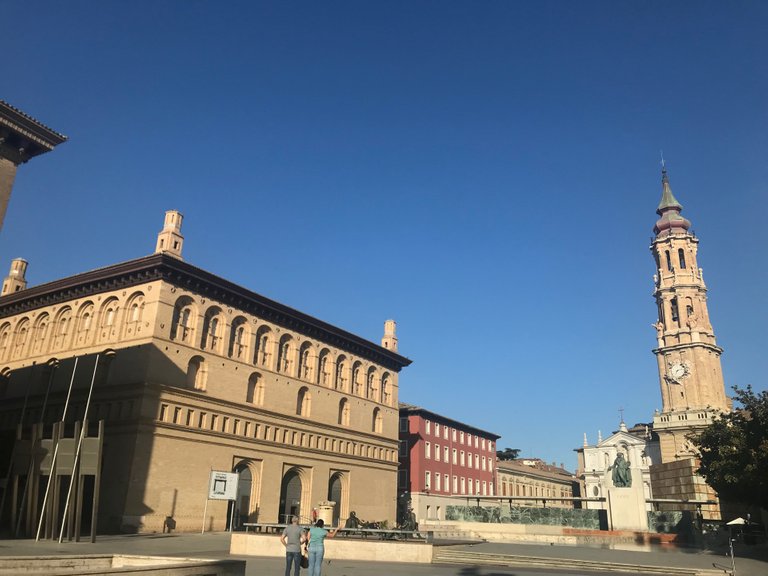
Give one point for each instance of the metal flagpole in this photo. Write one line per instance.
(79, 445)
(55, 453)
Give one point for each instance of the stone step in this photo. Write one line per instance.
(450, 556)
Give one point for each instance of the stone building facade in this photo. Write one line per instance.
(639, 446)
(201, 375)
(441, 459)
(534, 483)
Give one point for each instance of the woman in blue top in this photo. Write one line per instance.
(317, 536)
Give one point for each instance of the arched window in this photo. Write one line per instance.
(303, 402)
(386, 390)
(681, 257)
(344, 412)
(108, 319)
(20, 338)
(340, 379)
(212, 330)
(324, 371)
(255, 392)
(134, 312)
(262, 354)
(84, 323)
(196, 373)
(372, 385)
(284, 355)
(377, 422)
(237, 339)
(674, 310)
(5, 339)
(39, 334)
(669, 260)
(61, 327)
(357, 381)
(183, 322)
(305, 361)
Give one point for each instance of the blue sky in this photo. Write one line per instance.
(485, 173)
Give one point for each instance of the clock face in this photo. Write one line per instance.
(677, 371)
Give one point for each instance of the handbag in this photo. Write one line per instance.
(304, 563)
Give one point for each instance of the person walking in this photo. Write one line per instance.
(317, 536)
(292, 539)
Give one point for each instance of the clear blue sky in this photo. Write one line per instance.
(485, 173)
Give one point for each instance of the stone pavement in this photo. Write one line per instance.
(216, 545)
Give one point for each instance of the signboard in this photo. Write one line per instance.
(223, 485)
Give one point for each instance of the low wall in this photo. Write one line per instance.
(246, 544)
(558, 534)
(124, 565)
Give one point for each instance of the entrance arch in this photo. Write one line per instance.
(246, 506)
(291, 496)
(337, 492)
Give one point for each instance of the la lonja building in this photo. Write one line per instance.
(196, 374)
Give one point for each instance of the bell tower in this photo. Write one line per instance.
(690, 375)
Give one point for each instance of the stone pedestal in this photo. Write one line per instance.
(626, 508)
(325, 511)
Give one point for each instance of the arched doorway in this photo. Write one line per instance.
(334, 494)
(290, 497)
(243, 502)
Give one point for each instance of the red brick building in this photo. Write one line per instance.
(442, 460)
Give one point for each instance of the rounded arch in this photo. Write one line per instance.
(246, 503)
(344, 412)
(340, 376)
(285, 354)
(304, 402)
(262, 353)
(213, 329)
(372, 385)
(197, 373)
(306, 364)
(184, 320)
(255, 390)
(5, 339)
(134, 314)
(20, 336)
(377, 421)
(357, 378)
(324, 368)
(338, 493)
(386, 389)
(61, 328)
(108, 319)
(238, 339)
(40, 334)
(294, 494)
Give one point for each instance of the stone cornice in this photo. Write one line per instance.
(687, 345)
(22, 137)
(188, 277)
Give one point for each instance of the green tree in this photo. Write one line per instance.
(508, 453)
(734, 450)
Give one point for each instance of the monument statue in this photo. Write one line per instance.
(622, 475)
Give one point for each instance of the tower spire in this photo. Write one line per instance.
(669, 209)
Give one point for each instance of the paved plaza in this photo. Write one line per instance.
(216, 545)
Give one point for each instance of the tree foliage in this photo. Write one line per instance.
(734, 450)
(508, 453)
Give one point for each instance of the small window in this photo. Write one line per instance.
(669, 260)
(681, 257)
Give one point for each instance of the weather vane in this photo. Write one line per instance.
(663, 166)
